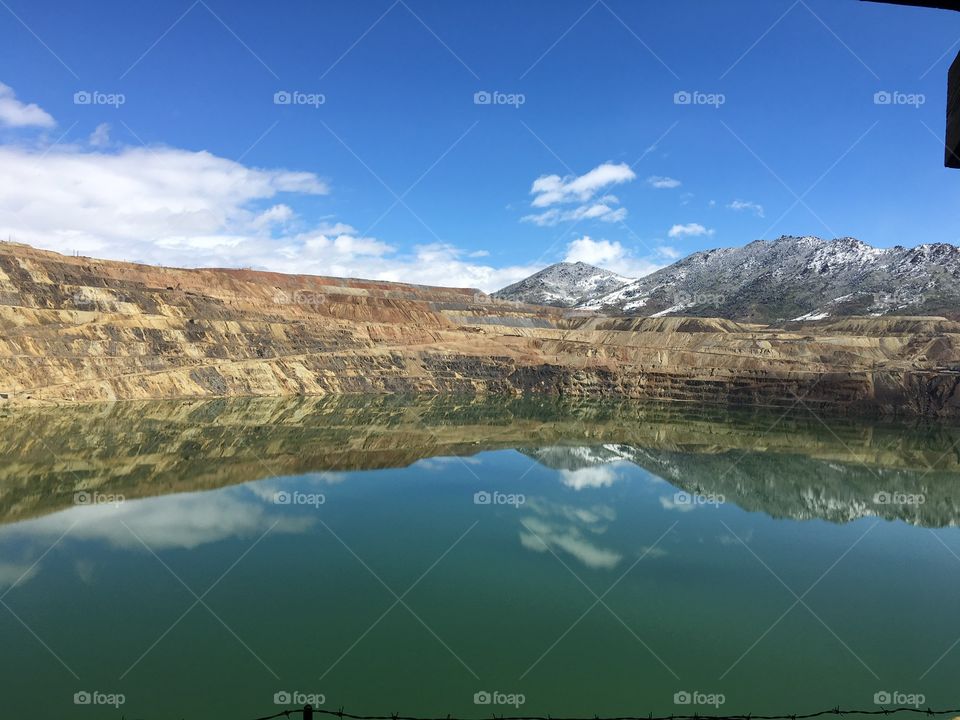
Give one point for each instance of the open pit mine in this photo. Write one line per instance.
(77, 329)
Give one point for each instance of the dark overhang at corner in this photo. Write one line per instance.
(952, 137)
(939, 4)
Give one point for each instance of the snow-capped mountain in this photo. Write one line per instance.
(564, 285)
(580, 457)
(792, 278)
(782, 485)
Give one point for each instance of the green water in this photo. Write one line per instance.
(595, 583)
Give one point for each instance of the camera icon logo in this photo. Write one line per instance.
(682, 97)
(281, 497)
(82, 97)
(482, 97)
(82, 698)
(482, 698)
(282, 97)
(482, 498)
(882, 97)
(882, 698)
(682, 698)
(282, 697)
(81, 498)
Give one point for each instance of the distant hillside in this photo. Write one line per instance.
(789, 279)
(564, 285)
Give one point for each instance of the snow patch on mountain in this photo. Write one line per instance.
(799, 278)
(812, 316)
(564, 285)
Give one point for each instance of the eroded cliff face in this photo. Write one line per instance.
(76, 329)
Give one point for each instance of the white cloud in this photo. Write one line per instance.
(194, 209)
(267, 489)
(689, 230)
(596, 211)
(549, 190)
(14, 113)
(594, 252)
(668, 252)
(612, 255)
(738, 205)
(134, 199)
(439, 264)
(16, 573)
(661, 182)
(100, 137)
(544, 536)
(553, 189)
(669, 503)
(182, 521)
(277, 214)
(596, 476)
(562, 528)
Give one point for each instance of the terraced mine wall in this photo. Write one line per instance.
(76, 329)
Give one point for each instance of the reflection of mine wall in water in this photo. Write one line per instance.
(145, 449)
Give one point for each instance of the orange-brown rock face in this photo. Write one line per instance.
(76, 329)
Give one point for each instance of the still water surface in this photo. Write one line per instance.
(406, 555)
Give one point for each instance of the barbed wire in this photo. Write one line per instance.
(749, 716)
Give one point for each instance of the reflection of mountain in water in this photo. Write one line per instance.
(781, 484)
(795, 467)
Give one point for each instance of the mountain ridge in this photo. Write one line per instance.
(790, 279)
(563, 284)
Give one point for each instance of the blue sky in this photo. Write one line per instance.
(175, 150)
